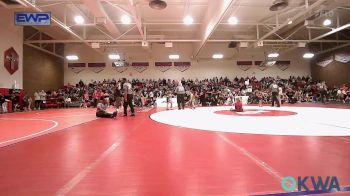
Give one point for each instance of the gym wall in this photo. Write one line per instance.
(336, 73)
(203, 68)
(42, 71)
(11, 36)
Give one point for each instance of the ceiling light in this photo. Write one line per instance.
(218, 56)
(233, 20)
(308, 55)
(114, 56)
(290, 22)
(79, 19)
(327, 22)
(273, 55)
(72, 57)
(174, 56)
(126, 19)
(188, 20)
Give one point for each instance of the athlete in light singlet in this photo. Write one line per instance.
(192, 100)
(169, 100)
(259, 96)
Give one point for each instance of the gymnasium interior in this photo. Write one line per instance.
(174, 97)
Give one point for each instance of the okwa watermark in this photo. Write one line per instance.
(311, 183)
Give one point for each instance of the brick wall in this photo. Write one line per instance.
(336, 73)
(42, 71)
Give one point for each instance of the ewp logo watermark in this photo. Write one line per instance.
(330, 183)
(33, 18)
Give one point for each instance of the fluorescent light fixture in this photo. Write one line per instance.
(273, 55)
(233, 20)
(79, 20)
(188, 20)
(126, 19)
(308, 55)
(72, 57)
(327, 22)
(114, 56)
(174, 56)
(218, 56)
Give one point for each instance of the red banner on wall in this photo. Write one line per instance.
(97, 67)
(182, 66)
(11, 60)
(244, 65)
(140, 66)
(260, 65)
(163, 66)
(76, 64)
(76, 67)
(283, 65)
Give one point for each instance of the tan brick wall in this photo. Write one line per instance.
(42, 71)
(334, 74)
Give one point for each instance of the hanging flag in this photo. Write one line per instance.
(244, 65)
(76, 67)
(140, 66)
(163, 66)
(182, 66)
(260, 65)
(97, 67)
(283, 65)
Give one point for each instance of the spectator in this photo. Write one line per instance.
(208, 92)
(37, 100)
(2, 101)
(67, 102)
(42, 95)
(25, 102)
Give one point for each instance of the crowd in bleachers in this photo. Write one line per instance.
(207, 92)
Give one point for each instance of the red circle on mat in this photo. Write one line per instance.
(256, 112)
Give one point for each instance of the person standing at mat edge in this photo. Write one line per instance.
(180, 94)
(128, 98)
(275, 91)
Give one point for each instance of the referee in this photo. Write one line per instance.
(275, 90)
(128, 98)
(180, 92)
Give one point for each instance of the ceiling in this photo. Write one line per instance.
(210, 22)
